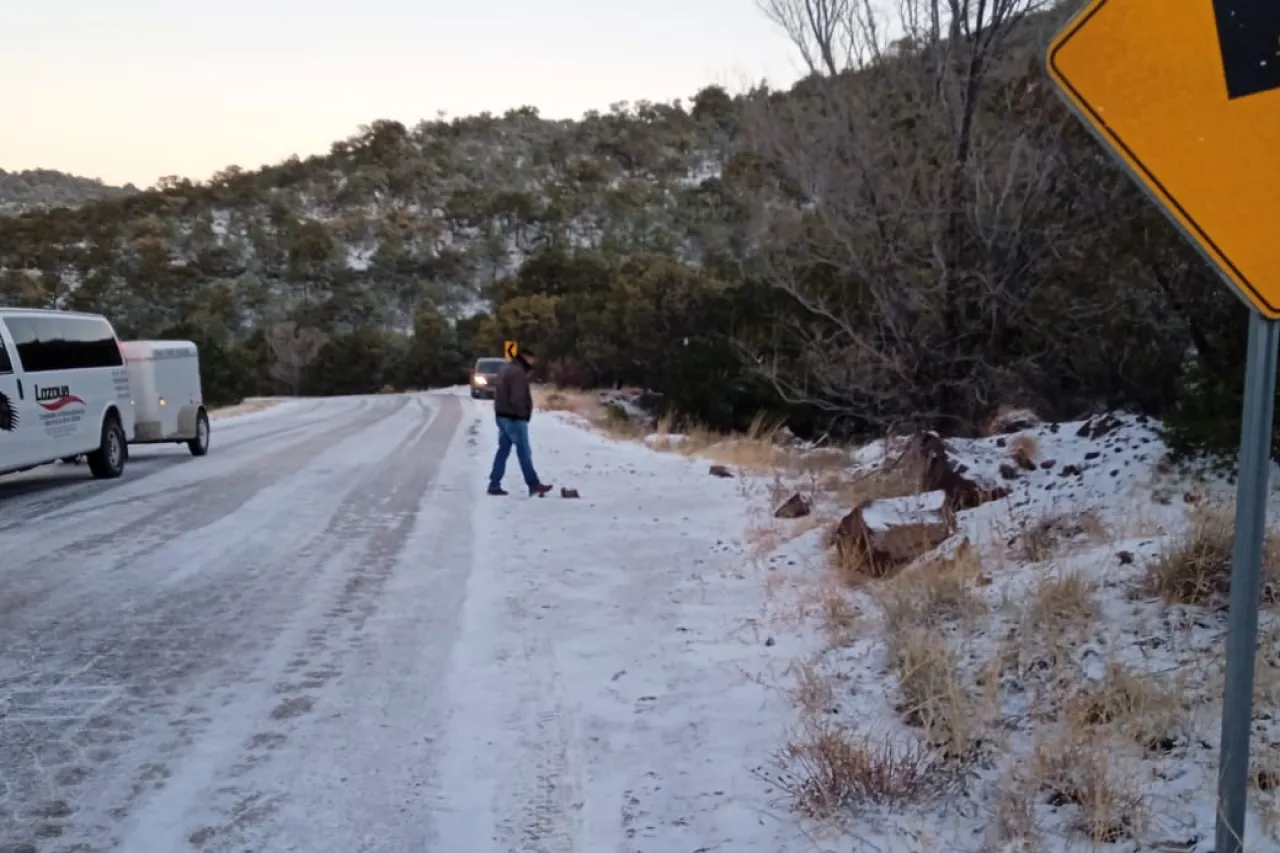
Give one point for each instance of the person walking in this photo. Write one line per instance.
(513, 407)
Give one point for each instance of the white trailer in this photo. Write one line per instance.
(167, 398)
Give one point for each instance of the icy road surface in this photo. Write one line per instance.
(323, 637)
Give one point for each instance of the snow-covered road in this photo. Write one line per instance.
(323, 637)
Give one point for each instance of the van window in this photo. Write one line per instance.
(63, 343)
(490, 365)
(6, 366)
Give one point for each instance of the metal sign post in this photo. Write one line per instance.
(1185, 94)
(1246, 580)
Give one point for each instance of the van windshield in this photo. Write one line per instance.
(489, 365)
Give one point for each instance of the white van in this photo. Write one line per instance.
(167, 397)
(64, 391)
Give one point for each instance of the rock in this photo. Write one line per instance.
(1048, 464)
(1125, 557)
(880, 535)
(1069, 471)
(1091, 455)
(720, 471)
(1096, 428)
(1022, 457)
(569, 493)
(939, 473)
(796, 506)
(1009, 472)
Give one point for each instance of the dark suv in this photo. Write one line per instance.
(484, 376)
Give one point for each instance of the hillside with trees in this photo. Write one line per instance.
(39, 189)
(915, 234)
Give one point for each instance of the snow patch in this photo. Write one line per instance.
(888, 513)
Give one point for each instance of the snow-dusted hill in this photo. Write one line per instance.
(38, 189)
(387, 217)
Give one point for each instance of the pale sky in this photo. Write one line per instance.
(129, 90)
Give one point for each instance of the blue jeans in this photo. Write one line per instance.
(513, 433)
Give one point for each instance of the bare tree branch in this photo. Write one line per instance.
(293, 349)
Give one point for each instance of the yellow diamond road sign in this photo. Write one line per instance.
(1187, 94)
(510, 350)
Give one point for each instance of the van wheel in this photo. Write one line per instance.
(199, 445)
(107, 462)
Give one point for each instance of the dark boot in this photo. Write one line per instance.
(539, 490)
(497, 490)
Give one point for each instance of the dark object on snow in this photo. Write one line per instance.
(1096, 428)
(1125, 557)
(569, 493)
(720, 471)
(796, 506)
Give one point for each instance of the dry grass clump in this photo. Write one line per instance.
(610, 418)
(813, 691)
(1064, 603)
(839, 618)
(758, 450)
(836, 612)
(1036, 540)
(941, 588)
(937, 697)
(578, 403)
(828, 769)
(1050, 621)
(1024, 447)
(1008, 417)
(1082, 773)
(1197, 568)
(1152, 713)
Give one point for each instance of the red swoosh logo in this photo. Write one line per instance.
(62, 402)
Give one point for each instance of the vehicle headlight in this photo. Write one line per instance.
(480, 380)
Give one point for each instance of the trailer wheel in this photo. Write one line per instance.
(199, 445)
(107, 462)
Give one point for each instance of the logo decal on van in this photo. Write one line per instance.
(56, 398)
(8, 414)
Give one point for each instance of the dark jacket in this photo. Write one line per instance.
(512, 397)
